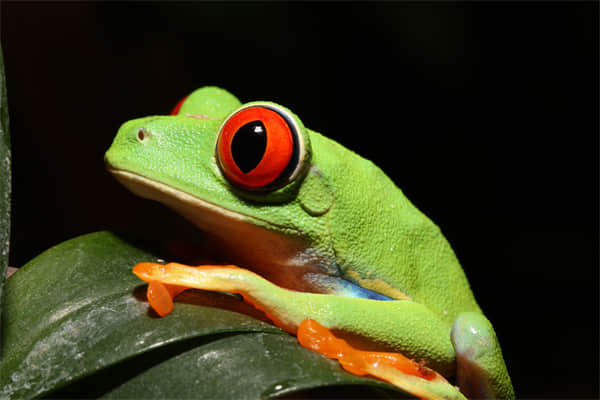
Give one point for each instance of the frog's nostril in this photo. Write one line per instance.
(143, 134)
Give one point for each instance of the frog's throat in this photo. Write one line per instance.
(286, 259)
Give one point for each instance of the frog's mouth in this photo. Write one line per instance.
(285, 260)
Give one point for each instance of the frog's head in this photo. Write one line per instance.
(241, 173)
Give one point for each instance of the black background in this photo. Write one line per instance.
(486, 115)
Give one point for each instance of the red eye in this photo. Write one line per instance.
(256, 145)
(178, 106)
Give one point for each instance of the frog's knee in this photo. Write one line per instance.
(481, 372)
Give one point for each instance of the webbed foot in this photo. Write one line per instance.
(415, 378)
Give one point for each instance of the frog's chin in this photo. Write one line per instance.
(285, 260)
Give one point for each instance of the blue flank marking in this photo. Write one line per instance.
(353, 290)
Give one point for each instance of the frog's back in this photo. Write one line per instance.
(382, 241)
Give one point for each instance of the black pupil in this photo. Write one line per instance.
(248, 145)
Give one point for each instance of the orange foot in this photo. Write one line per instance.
(160, 295)
(395, 368)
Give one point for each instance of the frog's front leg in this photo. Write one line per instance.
(402, 326)
(481, 372)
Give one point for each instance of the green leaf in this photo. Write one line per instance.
(76, 319)
(4, 181)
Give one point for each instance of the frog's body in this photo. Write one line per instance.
(339, 226)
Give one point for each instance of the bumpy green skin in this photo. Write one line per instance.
(353, 221)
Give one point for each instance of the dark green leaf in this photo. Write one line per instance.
(248, 366)
(4, 181)
(77, 315)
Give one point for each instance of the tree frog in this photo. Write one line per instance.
(322, 241)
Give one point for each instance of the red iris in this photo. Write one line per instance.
(255, 146)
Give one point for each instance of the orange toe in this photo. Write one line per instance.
(159, 298)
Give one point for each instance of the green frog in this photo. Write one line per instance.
(321, 240)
